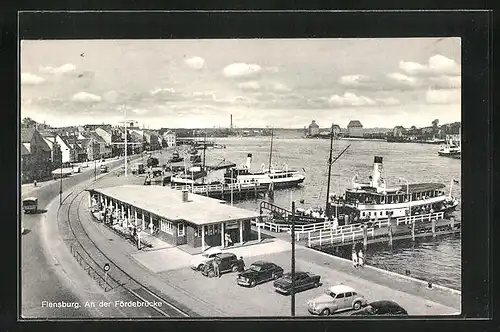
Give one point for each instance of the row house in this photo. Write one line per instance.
(36, 159)
(152, 139)
(55, 149)
(398, 131)
(355, 129)
(169, 138)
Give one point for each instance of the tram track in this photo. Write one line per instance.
(77, 238)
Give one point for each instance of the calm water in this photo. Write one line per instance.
(437, 260)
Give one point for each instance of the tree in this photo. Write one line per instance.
(435, 124)
(28, 122)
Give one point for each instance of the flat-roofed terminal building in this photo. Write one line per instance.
(176, 217)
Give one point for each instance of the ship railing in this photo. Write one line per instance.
(420, 218)
(331, 236)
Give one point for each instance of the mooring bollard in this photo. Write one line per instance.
(433, 223)
(365, 236)
(389, 231)
(413, 230)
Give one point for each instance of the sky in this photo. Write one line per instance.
(283, 83)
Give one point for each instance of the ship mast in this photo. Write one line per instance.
(271, 151)
(327, 209)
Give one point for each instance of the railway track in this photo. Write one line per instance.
(75, 236)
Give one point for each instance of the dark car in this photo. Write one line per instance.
(228, 262)
(259, 272)
(303, 281)
(381, 308)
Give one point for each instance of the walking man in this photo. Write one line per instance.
(354, 258)
(361, 258)
(216, 267)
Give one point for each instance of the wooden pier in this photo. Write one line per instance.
(224, 191)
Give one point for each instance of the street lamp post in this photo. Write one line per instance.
(60, 186)
(293, 261)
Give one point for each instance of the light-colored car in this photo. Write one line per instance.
(199, 262)
(77, 169)
(335, 299)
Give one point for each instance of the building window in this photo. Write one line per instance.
(180, 229)
(197, 231)
(166, 226)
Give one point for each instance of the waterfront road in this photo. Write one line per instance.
(50, 277)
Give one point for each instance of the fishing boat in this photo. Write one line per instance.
(451, 149)
(278, 178)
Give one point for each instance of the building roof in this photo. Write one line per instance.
(354, 123)
(95, 136)
(25, 150)
(106, 129)
(314, 124)
(27, 134)
(199, 210)
(421, 187)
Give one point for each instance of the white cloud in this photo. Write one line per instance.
(437, 65)
(388, 101)
(140, 111)
(250, 85)
(66, 68)
(195, 62)
(405, 79)
(353, 80)
(350, 99)
(442, 96)
(281, 87)
(241, 69)
(161, 91)
(446, 82)
(30, 79)
(85, 97)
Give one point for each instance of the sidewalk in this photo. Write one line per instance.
(168, 271)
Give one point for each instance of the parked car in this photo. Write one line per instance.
(30, 205)
(199, 262)
(382, 308)
(259, 272)
(104, 168)
(335, 299)
(227, 261)
(76, 169)
(303, 281)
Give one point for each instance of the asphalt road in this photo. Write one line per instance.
(41, 277)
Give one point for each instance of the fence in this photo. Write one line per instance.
(93, 270)
(420, 218)
(332, 236)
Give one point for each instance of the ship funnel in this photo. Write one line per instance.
(249, 160)
(377, 170)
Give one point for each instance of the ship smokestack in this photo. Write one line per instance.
(249, 160)
(377, 170)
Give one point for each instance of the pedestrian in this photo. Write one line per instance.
(34, 183)
(242, 263)
(216, 268)
(354, 258)
(361, 258)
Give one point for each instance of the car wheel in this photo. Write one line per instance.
(211, 274)
(275, 276)
(200, 267)
(316, 284)
(357, 305)
(325, 312)
(253, 283)
(234, 268)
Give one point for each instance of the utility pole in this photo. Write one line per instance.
(327, 212)
(293, 260)
(60, 186)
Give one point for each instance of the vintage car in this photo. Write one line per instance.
(227, 261)
(335, 299)
(104, 168)
(259, 272)
(30, 205)
(303, 281)
(382, 308)
(199, 262)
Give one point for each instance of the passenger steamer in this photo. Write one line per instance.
(272, 177)
(375, 201)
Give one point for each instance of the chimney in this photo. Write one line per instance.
(377, 170)
(185, 197)
(249, 161)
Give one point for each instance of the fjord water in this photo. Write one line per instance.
(437, 260)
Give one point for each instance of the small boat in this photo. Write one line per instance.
(176, 158)
(450, 150)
